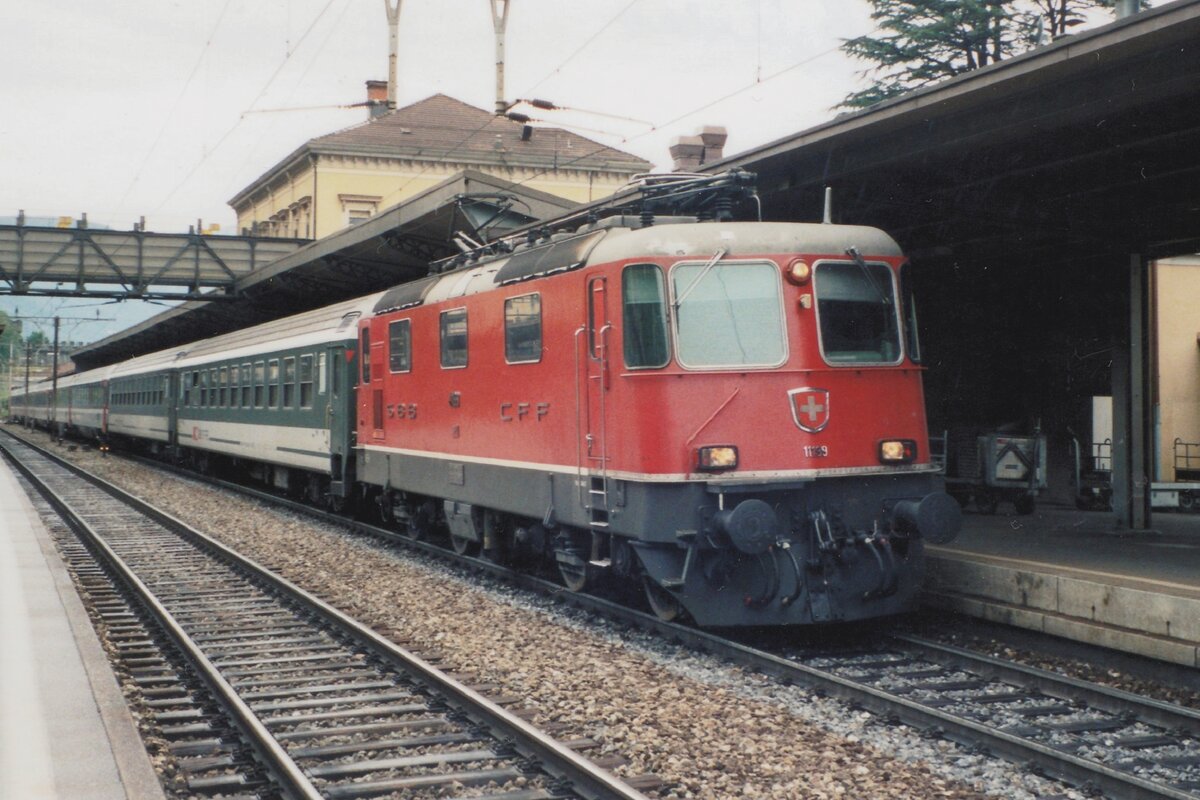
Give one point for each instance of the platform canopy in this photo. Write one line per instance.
(394, 246)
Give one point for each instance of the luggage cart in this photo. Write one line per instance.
(988, 468)
(1092, 479)
(1183, 493)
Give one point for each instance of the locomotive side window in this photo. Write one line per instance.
(306, 381)
(273, 383)
(523, 329)
(908, 298)
(364, 355)
(400, 346)
(856, 313)
(644, 312)
(259, 383)
(289, 382)
(454, 338)
(728, 315)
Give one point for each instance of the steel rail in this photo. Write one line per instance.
(1045, 759)
(587, 779)
(1016, 749)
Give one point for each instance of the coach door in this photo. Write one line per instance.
(593, 381)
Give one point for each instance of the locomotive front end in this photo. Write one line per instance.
(795, 406)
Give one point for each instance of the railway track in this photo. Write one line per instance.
(1107, 741)
(322, 707)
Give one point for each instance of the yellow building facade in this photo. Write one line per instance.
(339, 180)
(1177, 354)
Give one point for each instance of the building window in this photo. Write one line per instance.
(454, 338)
(399, 346)
(306, 381)
(523, 329)
(289, 382)
(359, 207)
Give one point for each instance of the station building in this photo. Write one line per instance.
(347, 177)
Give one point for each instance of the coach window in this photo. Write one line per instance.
(644, 311)
(223, 399)
(523, 329)
(235, 382)
(321, 373)
(399, 346)
(259, 383)
(728, 314)
(212, 387)
(247, 385)
(289, 382)
(364, 355)
(203, 388)
(306, 381)
(454, 338)
(273, 383)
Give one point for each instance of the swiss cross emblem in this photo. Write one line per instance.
(810, 408)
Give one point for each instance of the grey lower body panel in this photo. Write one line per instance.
(858, 566)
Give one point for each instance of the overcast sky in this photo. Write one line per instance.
(160, 108)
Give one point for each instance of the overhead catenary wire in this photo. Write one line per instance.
(137, 174)
(267, 85)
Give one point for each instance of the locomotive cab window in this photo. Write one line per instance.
(644, 313)
(728, 314)
(400, 346)
(908, 299)
(523, 329)
(454, 338)
(364, 355)
(857, 318)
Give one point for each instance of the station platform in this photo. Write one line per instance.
(65, 731)
(1075, 575)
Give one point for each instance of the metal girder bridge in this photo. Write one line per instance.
(136, 264)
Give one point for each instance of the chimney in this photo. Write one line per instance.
(377, 98)
(714, 137)
(687, 152)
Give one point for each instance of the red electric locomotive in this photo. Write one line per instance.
(729, 412)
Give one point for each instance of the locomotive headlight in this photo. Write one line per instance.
(897, 451)
(714, 459)
(798, 272)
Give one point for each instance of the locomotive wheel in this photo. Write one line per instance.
(987, 502)
(575, 576)
(464, 546)
(664, 604)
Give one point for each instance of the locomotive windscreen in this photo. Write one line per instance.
(731, 315)
(856, 309)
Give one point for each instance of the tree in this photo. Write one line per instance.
(922, 42)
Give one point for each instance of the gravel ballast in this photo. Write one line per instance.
(708, 729)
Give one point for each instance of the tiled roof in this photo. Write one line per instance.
(442, 128)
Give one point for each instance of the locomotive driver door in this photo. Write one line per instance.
(593, 382)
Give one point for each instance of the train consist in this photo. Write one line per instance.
(728, 413)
